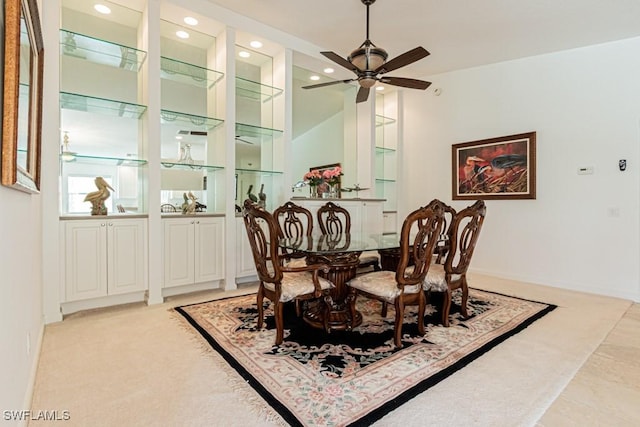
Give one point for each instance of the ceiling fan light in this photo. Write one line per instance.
(368, 58)
(367, 82)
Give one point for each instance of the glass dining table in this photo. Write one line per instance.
(341, 252)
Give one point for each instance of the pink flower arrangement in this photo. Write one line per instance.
(332, 176)
(313, 177)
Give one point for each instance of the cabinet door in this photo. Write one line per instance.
(178, 251)
(126, 244)
(245, 266)
(209, 249)
(371, 217)
(85, 259)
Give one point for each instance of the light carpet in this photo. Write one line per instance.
(354, 377)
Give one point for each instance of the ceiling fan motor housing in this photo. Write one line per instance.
(368, 57)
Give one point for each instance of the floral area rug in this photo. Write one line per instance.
(354, 377)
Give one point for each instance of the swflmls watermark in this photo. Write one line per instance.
(36, 415)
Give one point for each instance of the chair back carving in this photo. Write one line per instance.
(263, 234)
(463, 236)
(442, 245)
(293, 222)
(334, 219)
(420, 232)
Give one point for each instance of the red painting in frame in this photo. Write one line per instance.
(495, 168)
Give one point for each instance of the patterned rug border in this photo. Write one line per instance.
(379, 412)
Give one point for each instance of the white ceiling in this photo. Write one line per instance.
(458, 33)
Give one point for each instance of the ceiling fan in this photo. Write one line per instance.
(369, 63)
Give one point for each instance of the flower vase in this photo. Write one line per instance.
(333, 191)
(314, 191)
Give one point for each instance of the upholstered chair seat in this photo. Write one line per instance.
(298, 283)
(436, 280)
(382, 284)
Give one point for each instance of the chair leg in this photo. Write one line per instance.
(398, 324)
(279, 322)
(422, 303)
(446, 306)
(465, 297)
(260, 307)
(385, 306)
(298, 308)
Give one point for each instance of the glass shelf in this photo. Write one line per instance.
(101, 51)
(190, 74)
(255, 91)
(383, 150)
(385, 180)
(114, 161)
(185, 166)
(382, 120)
(256, 131)
(258, 172)
(73, 101)
(207, 123)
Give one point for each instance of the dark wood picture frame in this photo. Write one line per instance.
(495, 168)
(324, 187)
(22, 96)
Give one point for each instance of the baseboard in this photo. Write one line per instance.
(33, 372)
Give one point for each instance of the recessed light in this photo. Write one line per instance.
(244, 54)
(102, 9)
(190, 20)
(257, 44)
(182, 34)
(329, 70)
(314, 77)
(379, 87)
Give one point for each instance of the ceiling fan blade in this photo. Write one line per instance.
(405, 59)
(340, 61)
(327, 84)
(363, 94)
(404, 82)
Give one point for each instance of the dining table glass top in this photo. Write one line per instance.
(341, 243)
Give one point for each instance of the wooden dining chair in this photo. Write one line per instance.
(334, 219)
(463, 235)
(418, 237)
(280, 284)
(294, 222)
(443, 244)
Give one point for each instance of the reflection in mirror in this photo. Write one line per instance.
(323, 126)
(258, 141)
(192, 143)
(22, 95)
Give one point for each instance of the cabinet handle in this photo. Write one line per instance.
(192, 222)
(110, 224)
(197, 222)
(102, 225)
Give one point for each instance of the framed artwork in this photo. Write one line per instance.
(495, 168)
(22, 96)
(324, 186)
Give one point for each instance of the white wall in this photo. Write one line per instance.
(21, 317)
(582, 231)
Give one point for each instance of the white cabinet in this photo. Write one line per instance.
(366, 215)
(193, 250)
(103, 257)
(245, 266)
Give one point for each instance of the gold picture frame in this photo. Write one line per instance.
(22, 96)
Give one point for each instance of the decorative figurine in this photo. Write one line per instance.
(185, 204)
(250, 195)
(190, 209)
(97, 198)
(263, 198)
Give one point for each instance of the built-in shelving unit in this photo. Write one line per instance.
(386, 158)
(259, 144)
(101, 117)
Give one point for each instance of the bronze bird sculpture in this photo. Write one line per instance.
(97, 198)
